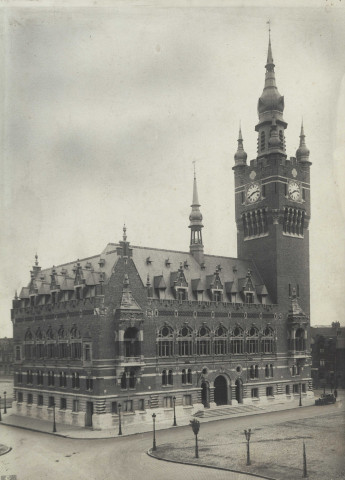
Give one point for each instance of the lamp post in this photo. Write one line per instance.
(0, 410)
(195, 424)
(54, 423)
(154, 447)
(305, 474)
(174, 424)
(5, 409)
(120, 429)
(248, 435)
(300, 394)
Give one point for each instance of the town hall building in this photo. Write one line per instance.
(142, 330)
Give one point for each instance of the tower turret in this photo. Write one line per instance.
(196, 246)
(271, 124)
(302, 153)
(240, 156)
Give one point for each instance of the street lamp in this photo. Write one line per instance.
(248, 435)
(154, 447)
(174, 424)
(5, 409)
(195, 424)
(120, 429)
(300, 395)
(54, 423)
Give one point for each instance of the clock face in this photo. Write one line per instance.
(294, 191)
(253, 193)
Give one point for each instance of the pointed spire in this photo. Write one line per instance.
(270, 98)
(195, 191)
(302, 153)
(240, 156)
(36, 260)
(124, 233)
(195, 218)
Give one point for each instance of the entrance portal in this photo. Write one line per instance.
(89, 413)
(220, 391)
(239, 396)
(205, 395)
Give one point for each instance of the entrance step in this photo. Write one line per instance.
(226, 410)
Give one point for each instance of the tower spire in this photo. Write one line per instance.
(196, 247)
(270, 110)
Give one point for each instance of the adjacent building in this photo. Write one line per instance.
(6, 356)
(328, 356)
(146, 329)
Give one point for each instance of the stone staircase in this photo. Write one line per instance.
(225, 410)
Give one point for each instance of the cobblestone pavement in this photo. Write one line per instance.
(276, 448)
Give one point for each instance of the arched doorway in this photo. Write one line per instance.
(239, 395)
(220, 391)
(205, 394)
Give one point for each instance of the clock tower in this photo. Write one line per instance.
(272, 202)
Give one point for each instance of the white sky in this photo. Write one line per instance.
(105, 108)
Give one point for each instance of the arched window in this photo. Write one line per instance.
(237, 341)
(256, 371)
(253, 340)
(132, 379)
(124, 381)
(29, 377)
(262, 141)
(185, 342)
(268, 340)
(267, 371)
(189, 376)
(165, 342)
(184, 377)
(281, 138)
(63, 379)
(271, 370)
(220, 341)
(300, 339)
(132, 344)
(252, 372)
(164, 377)
(170, 378)
(203, 341)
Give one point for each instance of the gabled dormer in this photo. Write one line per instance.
(215, 287)
(197, 288)
(159, 285)
(247, 289)
(179, 284)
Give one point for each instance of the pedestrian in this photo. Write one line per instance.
(335, 393)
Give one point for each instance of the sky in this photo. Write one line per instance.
(106, 106)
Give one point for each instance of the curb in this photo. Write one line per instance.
(150, 454)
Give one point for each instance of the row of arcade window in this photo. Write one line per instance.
(293, 223)
(255, 223)
(184, 343)
(75, 379)
(62, 350)
(263, 140)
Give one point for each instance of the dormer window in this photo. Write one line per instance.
(249, 297)
(78, 293)
(181, 294)
(217, 295)
(54, 297)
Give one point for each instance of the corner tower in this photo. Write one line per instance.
(272, 201)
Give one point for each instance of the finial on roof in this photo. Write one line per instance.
(269, 53)
(124, 232)
(36, 260)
